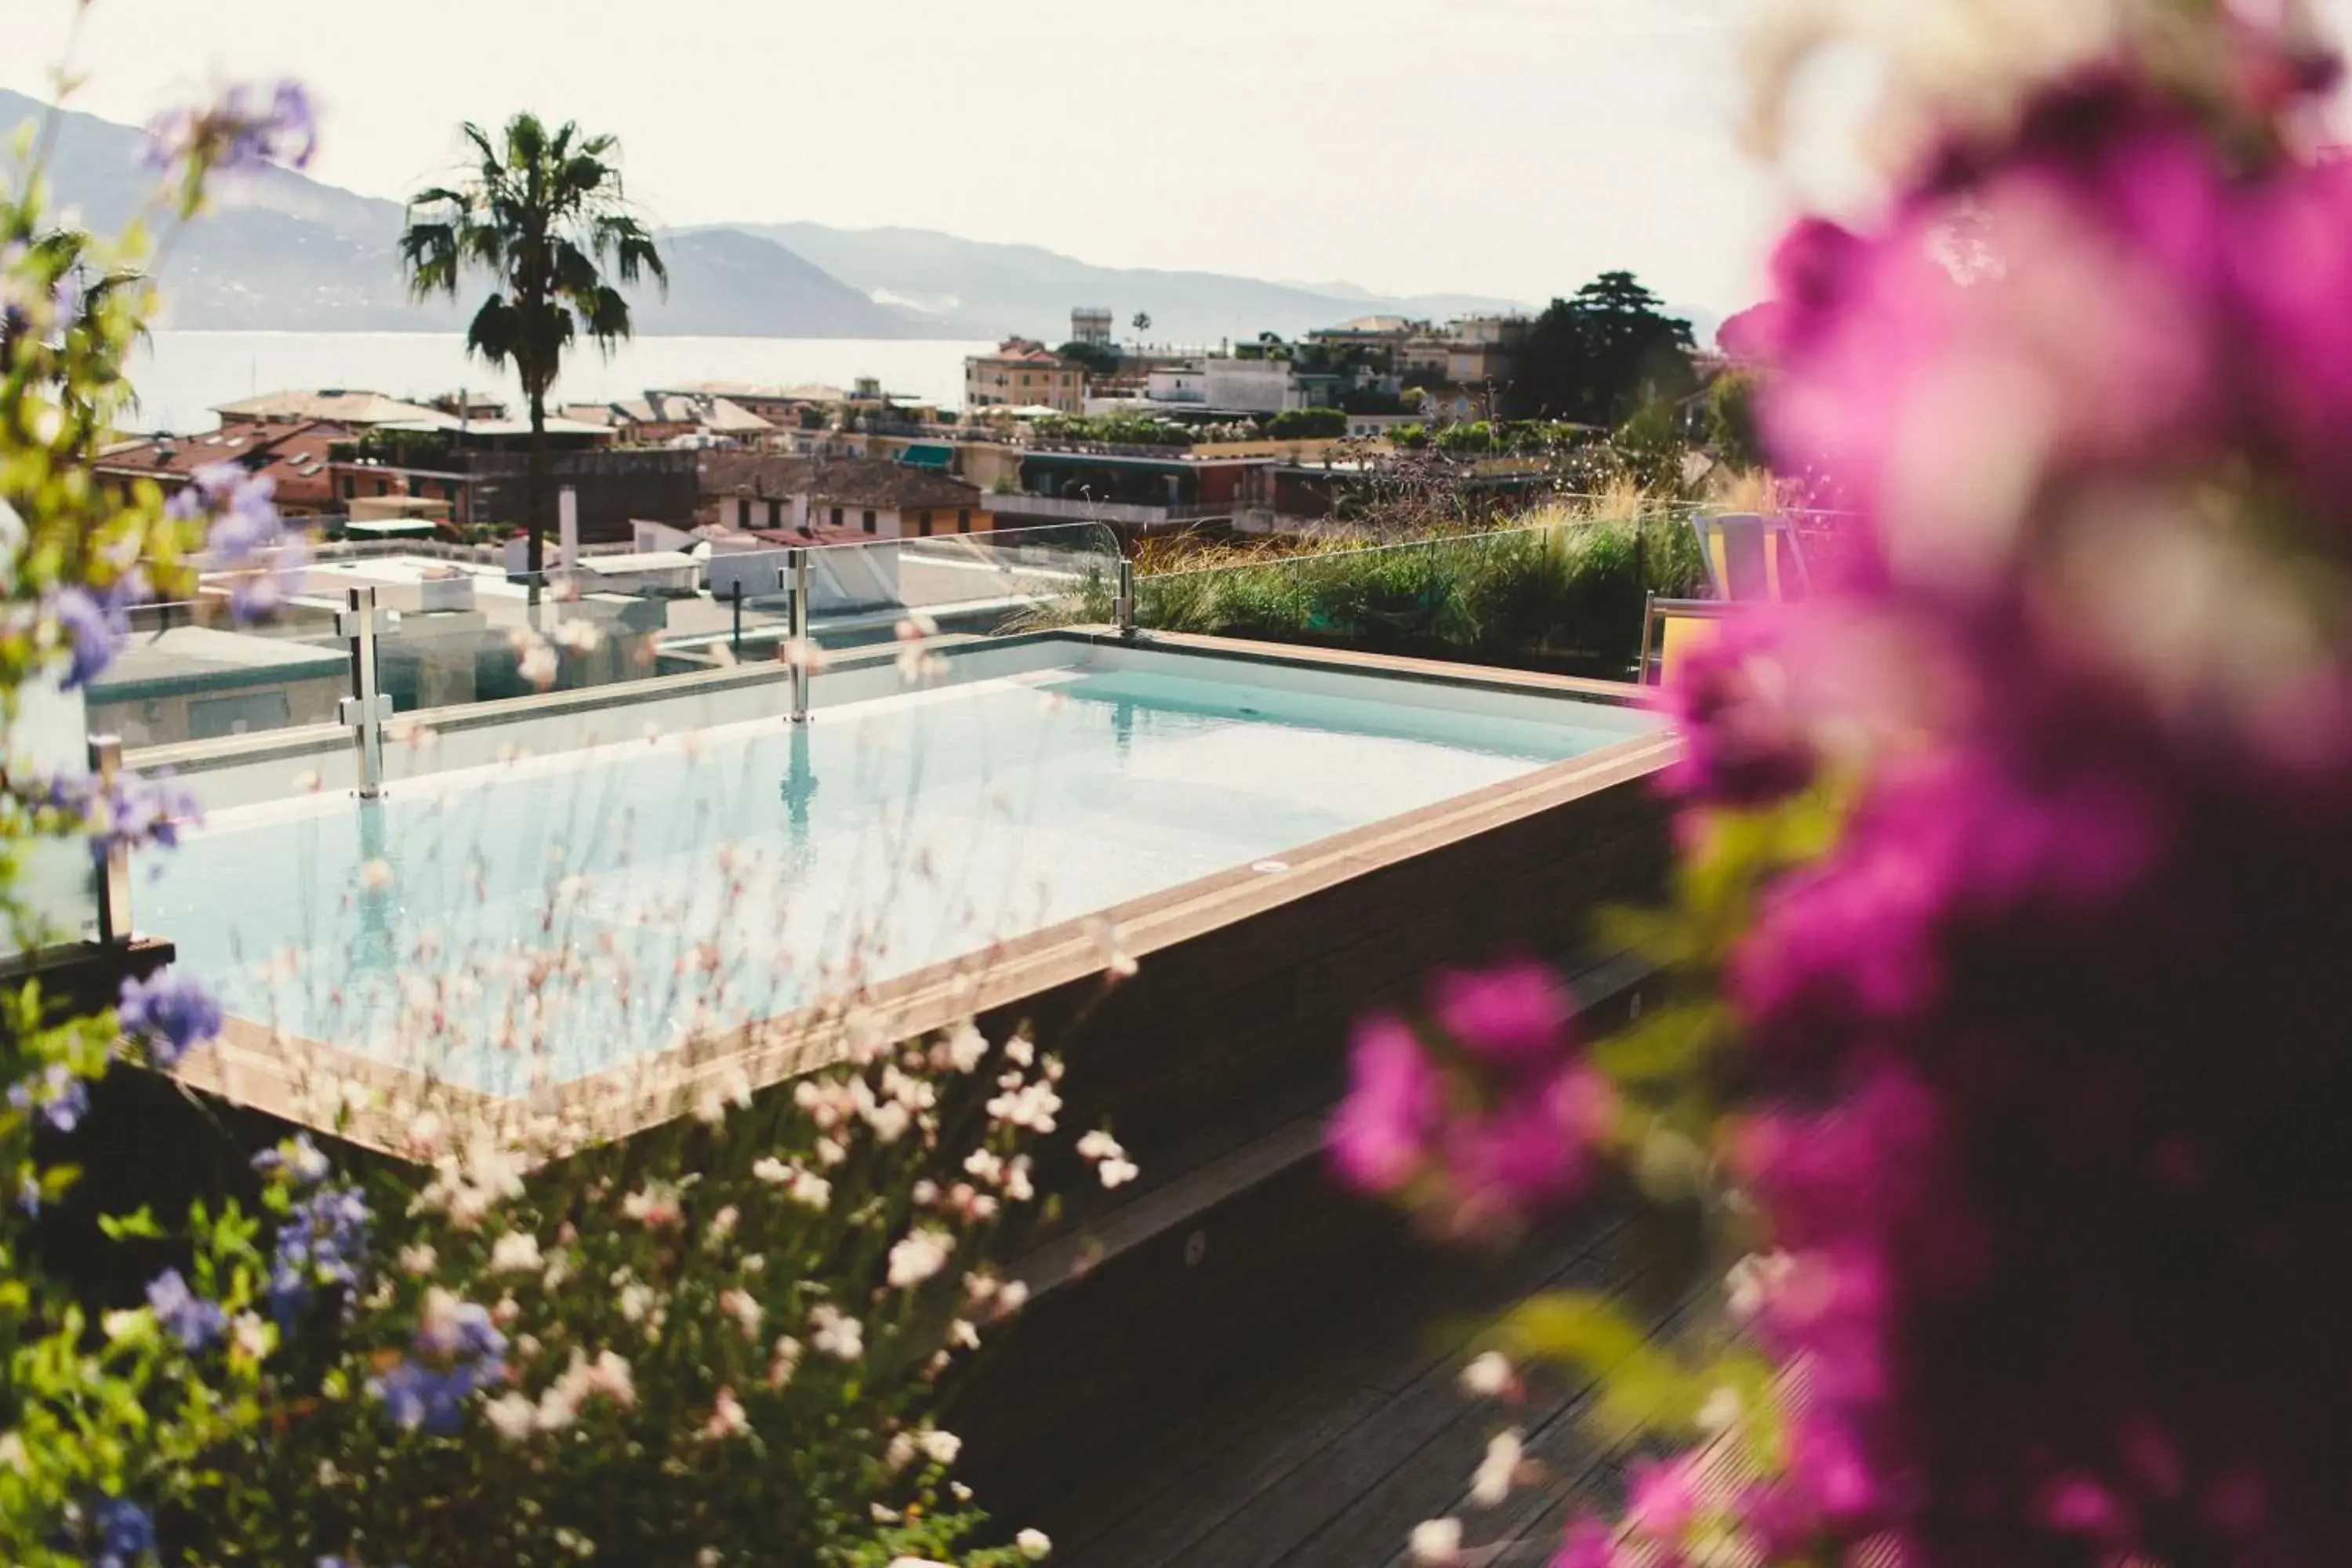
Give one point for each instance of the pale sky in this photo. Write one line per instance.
(1512, 147)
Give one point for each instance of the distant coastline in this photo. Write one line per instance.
(184, 374)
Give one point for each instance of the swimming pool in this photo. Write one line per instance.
(519, 919)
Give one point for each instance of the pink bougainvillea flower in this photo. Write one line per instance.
(1395, 1099)
(1511, 1014)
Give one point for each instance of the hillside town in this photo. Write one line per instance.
(1255, 439)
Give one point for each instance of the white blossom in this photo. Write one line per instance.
(966, 1047)
(516, 1252)
(771, 1169)
(1118, 1173)
(941, 1447)
(1035, 1544)
(837, 1334)
(1438, 1541)
(781, 1362)
(727, 1417)
(746, 1311)
(1487, 1375)
(512, 1415)
(1492, 1482)
(918, 1256)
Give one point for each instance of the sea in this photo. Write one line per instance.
(181, 376)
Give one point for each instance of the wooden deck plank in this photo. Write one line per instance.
(1395, 1347)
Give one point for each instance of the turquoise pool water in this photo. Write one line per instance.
(548, 917)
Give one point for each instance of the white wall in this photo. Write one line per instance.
(1259, 386)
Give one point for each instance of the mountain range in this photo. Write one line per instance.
(282, 252)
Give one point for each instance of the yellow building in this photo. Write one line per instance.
(1024, 374)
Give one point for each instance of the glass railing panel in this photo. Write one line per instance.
(1565, 595)
(961, 585)
(194, 670)
(54, 890)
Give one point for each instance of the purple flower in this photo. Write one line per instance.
(321, 1242)
(298, 1157)
(195, 1323)
(125, 1535)
(92, 633)
(1512, 1014)
(58, 1097)
(245, 534)
(1385, 1126)
(455, 1351)
(171, 1014)
(245, 129)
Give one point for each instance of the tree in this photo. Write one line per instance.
(1142, 322)
(1101, 359)
(1600, 357)
(544, 216)
(1308, 423)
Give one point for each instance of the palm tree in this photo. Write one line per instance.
(543, 216)
(1142, 323)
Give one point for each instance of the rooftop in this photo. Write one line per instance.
(336, 405)
(288, 448)
(839, 481)
(203, 658)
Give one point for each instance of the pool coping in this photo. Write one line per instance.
(303, 1080)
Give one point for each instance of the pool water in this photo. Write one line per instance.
(544, 918)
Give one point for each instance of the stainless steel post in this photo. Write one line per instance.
(113, 863)
(796, 572)
(1123, 606)
(366, 709)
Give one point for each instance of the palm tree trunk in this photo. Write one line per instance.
(535, 488)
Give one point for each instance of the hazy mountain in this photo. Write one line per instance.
(982, 290)
(284, 252)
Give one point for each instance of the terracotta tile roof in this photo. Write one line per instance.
(352, 409)
(287, 449)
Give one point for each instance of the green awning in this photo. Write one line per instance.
(928, 456)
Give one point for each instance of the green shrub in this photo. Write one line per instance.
(1308, 423)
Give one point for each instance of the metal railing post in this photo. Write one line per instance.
(366, 709)
(796, 582)
(1123, 606)
(114, 860)
(737, 641)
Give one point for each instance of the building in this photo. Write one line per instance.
(483, 472)
(1369, 331)
(837, 498)
(332, 406)
(1091, 324)
(1024, 374)
(784, 408)
(193, 682)
(659, 418)
(295, 454)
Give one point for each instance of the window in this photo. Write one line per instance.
(384, 486)
(837, 517)
(744, 513)
(868, 520)
(350, 486)
(923, 523)
(964, 520)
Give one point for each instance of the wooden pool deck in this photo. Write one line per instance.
(1324, 1442)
